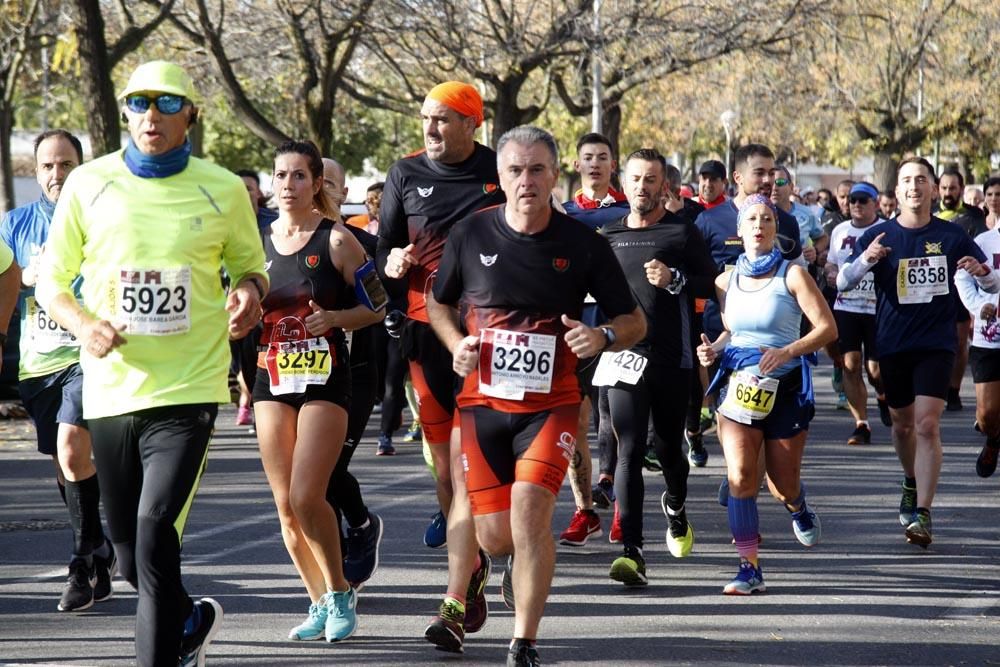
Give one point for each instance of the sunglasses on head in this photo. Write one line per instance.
(859, 199)
(781, 182)
(166, 104)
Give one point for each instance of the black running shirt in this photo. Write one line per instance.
(422, 201)
(517, 282)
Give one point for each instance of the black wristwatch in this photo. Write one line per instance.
(258, 284)
(609, 337)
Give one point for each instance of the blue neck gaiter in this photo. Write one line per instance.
(751, 268)
(157, 166)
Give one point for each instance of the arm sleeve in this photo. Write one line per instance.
(63, 249)
(788, 228)
(973, 298)
(991, 281)
(607, 282)
(243, 253)
(699, 269)
(392, 231)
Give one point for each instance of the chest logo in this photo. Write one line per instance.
(267, 265)
(425, 192)
(312, 261)
(933, 248)
(560, 264)
(489, 188)
(488, 260)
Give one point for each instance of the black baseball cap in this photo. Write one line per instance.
(713, 168)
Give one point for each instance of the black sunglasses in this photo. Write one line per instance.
(166, 104)
(860, 200)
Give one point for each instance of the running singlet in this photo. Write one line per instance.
(422, 201)
(718, 226)
(678, 244)
(293, 357)
(982, 305)
(45, 346)
(513, 289)
(913, 284)
(861, 299)
(149, 251)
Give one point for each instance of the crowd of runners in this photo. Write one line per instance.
(516, 324)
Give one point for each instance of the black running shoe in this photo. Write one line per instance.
(361, 560)
(884, 414)
(477, 610)
(79, 591)
(207, 615)
(105, 569)
(986, 464)
(523, 655)
(862, 435)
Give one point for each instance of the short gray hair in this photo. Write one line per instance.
(527, 135)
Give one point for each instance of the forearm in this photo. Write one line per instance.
(851, 273)
(445, 322)
(990, 282)
(358, 317)
(64, 309)
(822, 334)
(257, 281)
(629, 330)
(10, 286)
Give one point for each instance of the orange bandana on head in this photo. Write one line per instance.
(460, 98)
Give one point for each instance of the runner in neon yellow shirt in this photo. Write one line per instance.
(149, 228)
(10, 284)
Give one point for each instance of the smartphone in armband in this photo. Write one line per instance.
(368, 288)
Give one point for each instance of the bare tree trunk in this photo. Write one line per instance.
(885, 171)
(103, 121)
(6, 165)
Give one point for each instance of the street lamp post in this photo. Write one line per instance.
(728, 119)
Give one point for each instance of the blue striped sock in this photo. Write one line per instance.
(745, 526)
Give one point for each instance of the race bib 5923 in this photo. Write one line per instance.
(154, 302)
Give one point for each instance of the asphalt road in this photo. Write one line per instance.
(861, 597)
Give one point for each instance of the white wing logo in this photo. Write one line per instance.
(267, 265)
(425, 192)
(488, 260)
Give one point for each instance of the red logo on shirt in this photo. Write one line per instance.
(560, 264)
(489, 188)
(312, 261)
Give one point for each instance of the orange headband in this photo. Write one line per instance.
(460, 98)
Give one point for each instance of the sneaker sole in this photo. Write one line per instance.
(292, 636)
(736, 591)
(507, 588)
(579, 543)
(82, 608)
(626, 575)
(443, 639)
(920, 538)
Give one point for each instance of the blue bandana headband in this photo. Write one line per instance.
(157, 166)
(751, 201)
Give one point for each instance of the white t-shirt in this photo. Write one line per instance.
(983, 306)
(861, 299)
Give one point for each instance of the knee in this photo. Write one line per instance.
(494, 543)
(902, 430)
(743, 481)
(75, 453)
(928, 427)
(304, 505)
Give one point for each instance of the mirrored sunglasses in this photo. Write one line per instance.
(781, 182)
(860, 200)
(166, 104)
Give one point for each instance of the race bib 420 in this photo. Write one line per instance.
(154, 302)
(513, 362)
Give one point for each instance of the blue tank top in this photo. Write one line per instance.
(768, 316)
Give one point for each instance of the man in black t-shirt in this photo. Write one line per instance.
(425, 195)
(518, 353)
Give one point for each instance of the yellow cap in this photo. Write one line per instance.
(159, 76)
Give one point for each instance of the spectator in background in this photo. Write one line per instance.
(992, 189)
(251, 179)
(373, 199)
(888, 207)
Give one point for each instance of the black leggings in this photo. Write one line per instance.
(343, 492)
(149, 464)
(394, 398)
(607, 446)
(662, 392)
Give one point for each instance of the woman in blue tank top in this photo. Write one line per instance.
(766, 385)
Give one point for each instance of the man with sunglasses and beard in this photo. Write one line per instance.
(149, 228)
